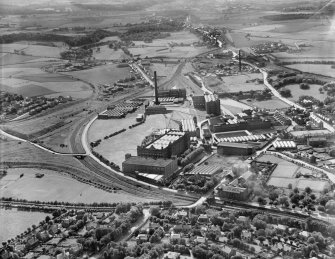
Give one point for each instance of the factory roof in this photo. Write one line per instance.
(210, 98)
(206, 170)
(166, 139)
(188, 125)
(236, 145)
(227, 188)
(138, 160)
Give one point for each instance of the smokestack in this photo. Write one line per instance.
(240, 60)
(156, 89)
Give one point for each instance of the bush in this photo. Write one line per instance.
(304, 86)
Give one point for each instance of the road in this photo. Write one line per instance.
(145, 76)
(279, 96)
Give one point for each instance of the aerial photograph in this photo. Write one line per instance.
(180, 129)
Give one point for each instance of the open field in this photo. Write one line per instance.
(234, 83)
(273, 104)
(320, 69)
(35, 82)
(313, 91)
(55, 186)
(105, 74)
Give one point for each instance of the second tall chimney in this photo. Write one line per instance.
(156, 89)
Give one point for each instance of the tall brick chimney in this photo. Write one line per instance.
(156, 88)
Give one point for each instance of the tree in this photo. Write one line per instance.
(47, 219)
(237, 231)
(259, 224)
(273, 195)
(261, 201)
(154, 238)
(155, 211)
(283, 199)
(308, 190)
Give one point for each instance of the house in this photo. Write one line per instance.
(246, 235)
(99, 215)
(91, 225)
(172, 255)
(67, 222)
(175, 236)
(280, 227)
(31, 242)
(43, 236)
(200, 240)
(63, 255)
(141, 238)
(181, 214)
(304, 234)
(76, 249)
(53, 229)
(182, 228)
(242, 219)
(227, 251)
(203, 218)
(154, 225)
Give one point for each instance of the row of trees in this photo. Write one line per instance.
(72, 41)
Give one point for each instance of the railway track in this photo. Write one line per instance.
(133, 187)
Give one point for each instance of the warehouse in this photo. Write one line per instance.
(147, 165)
(170, 143)
(240, 149)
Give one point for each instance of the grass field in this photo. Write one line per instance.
(55, 186)
(272, 104)
(320, 69)
(35, 82)
(106, 74)
(313, 91)
(235, 83)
